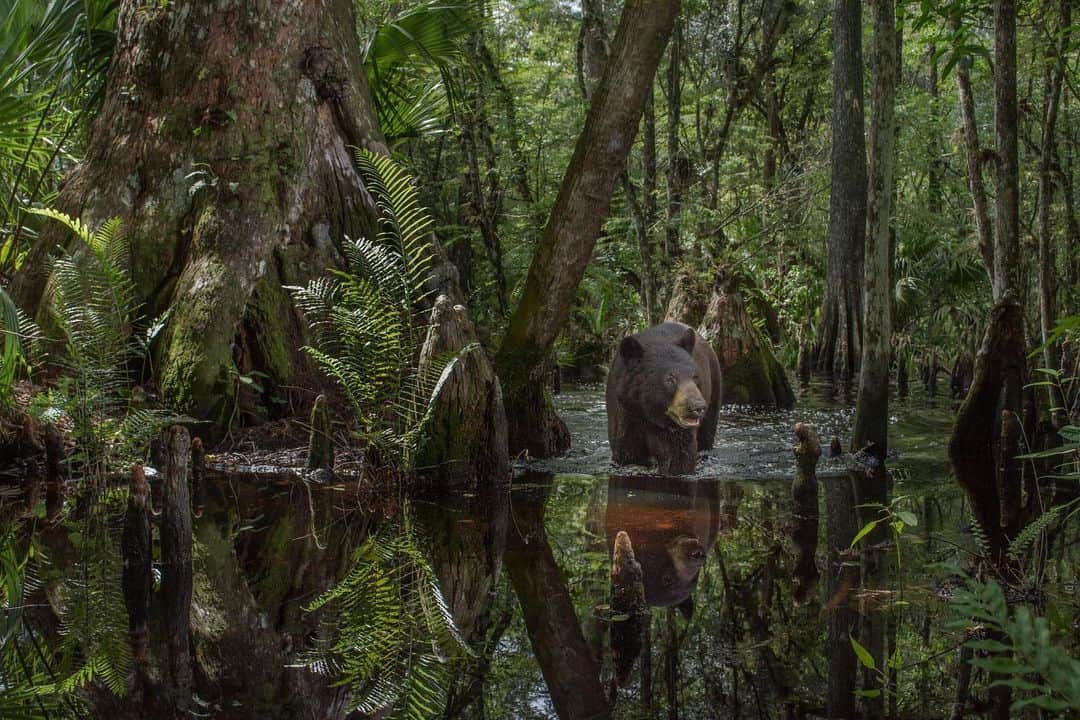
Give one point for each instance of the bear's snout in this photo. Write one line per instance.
(687, 407)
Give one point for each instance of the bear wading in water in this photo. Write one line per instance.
(663, 393)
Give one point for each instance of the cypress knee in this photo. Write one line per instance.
(176, 555)
(136, 548)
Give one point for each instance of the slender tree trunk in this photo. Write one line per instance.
(1007, 195)
(983, 464)
(575, 222)
(674, 153)
(980, 205)
(840, 332)
(872, 406)
(592, 61)
(1053, 75)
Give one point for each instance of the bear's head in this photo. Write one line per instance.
(662, 381)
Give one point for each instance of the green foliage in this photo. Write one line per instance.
(1018, 646)
(53, 57)
(93, 304)
(368, 322)
(387, 635)
(13, 332)
(409, 61)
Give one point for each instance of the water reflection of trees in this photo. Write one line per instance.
(752, 639)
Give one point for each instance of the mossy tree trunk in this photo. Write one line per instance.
(982, 446)
(225, 143)
(750, 372)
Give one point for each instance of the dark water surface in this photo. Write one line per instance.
(722, 614)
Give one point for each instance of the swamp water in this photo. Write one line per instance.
(723, 616)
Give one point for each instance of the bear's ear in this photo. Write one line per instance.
(630, 348)
(687, 339)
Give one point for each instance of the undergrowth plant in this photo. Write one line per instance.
(14, 331)
(1016, 646)
(93, 306)
(369, 321)
(386, 634)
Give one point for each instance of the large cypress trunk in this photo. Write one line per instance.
(840, 331)
(225, 143)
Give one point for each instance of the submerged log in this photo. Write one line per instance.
(176, 556)
(198, 476)
(321, 440)
(137, 551)
(628, 607)
(804, 492)
(467, 439)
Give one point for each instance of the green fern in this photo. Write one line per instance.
(387, 635)
(1019, 646)
(368, 322)
(95, 645)
(93, 303)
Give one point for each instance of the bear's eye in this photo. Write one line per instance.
(697, 378)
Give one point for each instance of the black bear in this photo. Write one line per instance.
(663, 392)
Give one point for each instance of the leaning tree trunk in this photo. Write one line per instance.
(224, 143)
(575, 222)
(840, 330)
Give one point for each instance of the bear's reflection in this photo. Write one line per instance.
(659, 531)
(671, 523)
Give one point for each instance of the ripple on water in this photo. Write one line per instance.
(752, 443)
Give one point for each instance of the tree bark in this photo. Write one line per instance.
(983, 464)
(574, 225)
(176, 558)
(980, 206)
(840, 331)
(137, 580)
(223, 143)
(872, 405)
(675, 159)
(1052, 79)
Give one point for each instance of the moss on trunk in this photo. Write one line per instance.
(751, 373)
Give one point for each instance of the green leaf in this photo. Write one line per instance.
(866, 530)
(863, 655)
(908, 517)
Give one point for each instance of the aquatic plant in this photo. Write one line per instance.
(369, 321)
(386, 633)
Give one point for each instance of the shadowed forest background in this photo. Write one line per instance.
(305, 306)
